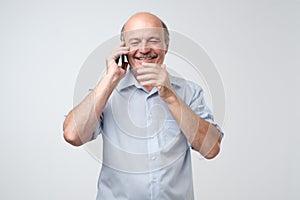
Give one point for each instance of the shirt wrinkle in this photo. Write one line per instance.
(153, 159)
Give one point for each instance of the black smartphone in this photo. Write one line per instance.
(122, 61)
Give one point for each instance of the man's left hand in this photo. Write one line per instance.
(155, 75)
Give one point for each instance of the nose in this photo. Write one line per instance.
(144, 48)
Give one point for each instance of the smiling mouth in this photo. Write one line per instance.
(146, 57)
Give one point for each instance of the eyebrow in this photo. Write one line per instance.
(131, 39)
(154, 37)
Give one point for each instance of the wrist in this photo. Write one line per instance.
(172, 99)
(114, 75)
(112, 79)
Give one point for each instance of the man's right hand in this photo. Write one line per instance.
(112, 68)
(83, 119)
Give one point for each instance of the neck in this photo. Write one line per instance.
(148, 88)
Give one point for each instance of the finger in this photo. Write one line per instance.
(150, 68)
(119, 48)
(115, 55)
(122, 50)
(146, 77)
(146, 65)
(154, 65)
(149, 83)
(142, 70)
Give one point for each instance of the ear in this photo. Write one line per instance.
(167, 48)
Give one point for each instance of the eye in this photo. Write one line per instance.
(154, 41)
(134, 43)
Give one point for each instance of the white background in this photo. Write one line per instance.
(253, 44)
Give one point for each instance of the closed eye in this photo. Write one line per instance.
(154, 40)
(134, 42)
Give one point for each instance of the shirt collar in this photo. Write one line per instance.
(129, 80)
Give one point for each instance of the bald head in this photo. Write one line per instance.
(144, 20)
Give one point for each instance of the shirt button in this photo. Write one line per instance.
(154, 180)
(154, 158)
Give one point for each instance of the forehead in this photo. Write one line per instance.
(144, 33)
(142, 20)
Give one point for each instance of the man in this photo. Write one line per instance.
(149, 120)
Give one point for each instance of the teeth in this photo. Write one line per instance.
(146, 58)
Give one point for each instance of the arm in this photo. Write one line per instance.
(203, 136)
(82, 120)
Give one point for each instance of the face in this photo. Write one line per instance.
(146, 45)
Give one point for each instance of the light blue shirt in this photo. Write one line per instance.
(145, 154)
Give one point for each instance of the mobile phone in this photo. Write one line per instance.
(122, 61)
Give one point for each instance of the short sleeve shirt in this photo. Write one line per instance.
(145, 154)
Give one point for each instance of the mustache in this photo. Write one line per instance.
(149, 55)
